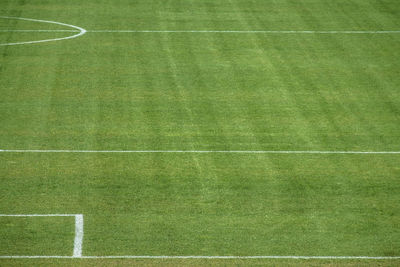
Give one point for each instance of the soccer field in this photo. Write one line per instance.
(199, 132)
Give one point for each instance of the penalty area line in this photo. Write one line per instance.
(208, 257)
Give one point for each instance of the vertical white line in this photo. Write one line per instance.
(78, 236)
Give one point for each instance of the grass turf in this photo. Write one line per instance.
(196, 262)
(205, 91)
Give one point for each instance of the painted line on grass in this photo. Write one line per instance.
(197, 151)
(78, 235)
(209, 31)
(78, 240)
(39, 31)
(38, 215)
(233, 31)
(80, 33)
(207, 257)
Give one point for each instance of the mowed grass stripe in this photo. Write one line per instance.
(269, 119)
(209, 92)
(195, 205)
(36, 235)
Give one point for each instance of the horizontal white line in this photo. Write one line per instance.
(39, 215)
(205, 257)
(212, 31)
(39, 31)
(232, 31)
(197, 151)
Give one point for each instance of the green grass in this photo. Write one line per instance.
(194, 205)
(36, 235)
(202, 91)
(197, 262)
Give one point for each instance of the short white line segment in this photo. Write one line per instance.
(78, 235)
(80, 33)
(197, 151)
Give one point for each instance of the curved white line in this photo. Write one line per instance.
(82, 31)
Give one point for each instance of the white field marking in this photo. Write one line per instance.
(198, 151)
(78, 235)
(228, 31)
(38, 215)
(78, 240)
(39, 31)
(80, 33)
(207, 257)
(210, 31)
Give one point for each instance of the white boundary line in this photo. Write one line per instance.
(39, 31)
(233, 31)
(38, 215)
(197, 151)
(210, 31)
(207, 257)
(78, 240)
(80, 33)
